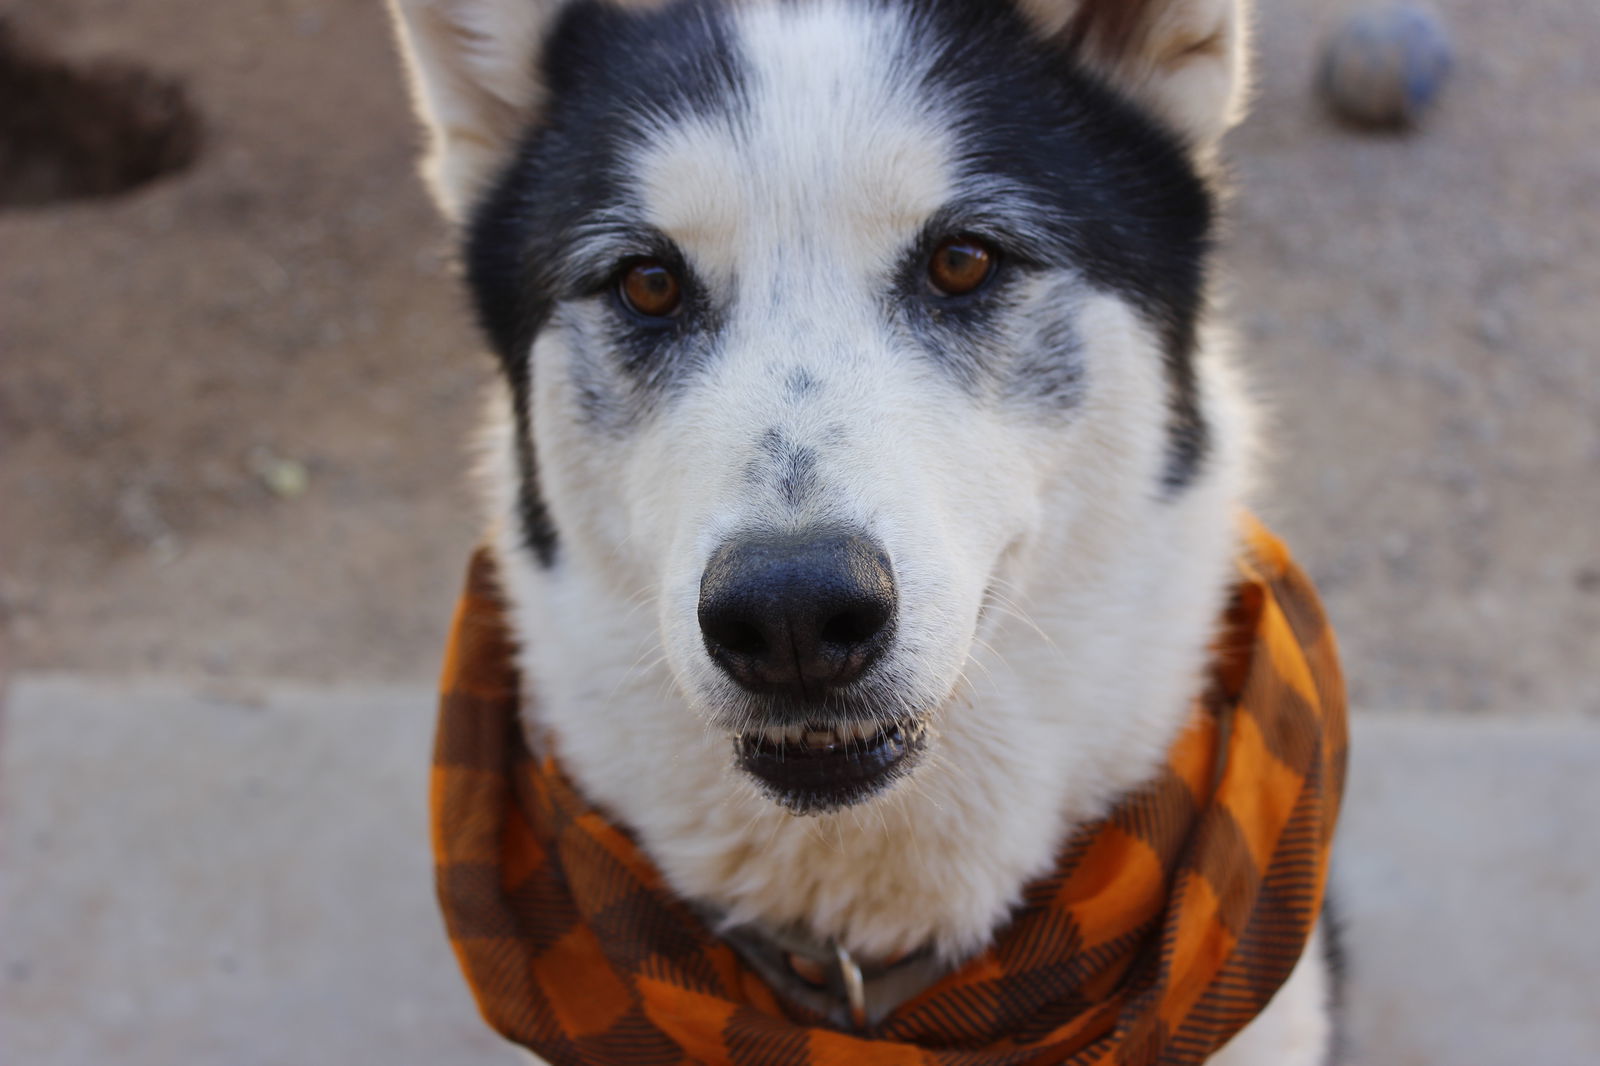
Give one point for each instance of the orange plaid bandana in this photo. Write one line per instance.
(1164, 928)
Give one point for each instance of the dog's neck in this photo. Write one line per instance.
(1073, 693)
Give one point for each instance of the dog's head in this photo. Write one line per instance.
(825, 322)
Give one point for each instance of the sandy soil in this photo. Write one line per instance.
(1419, 310)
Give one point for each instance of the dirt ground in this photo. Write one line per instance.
(234, 405)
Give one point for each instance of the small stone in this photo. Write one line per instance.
(283, 477)
(287, 478)
(1386, 64)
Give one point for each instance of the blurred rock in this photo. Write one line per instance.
(1386, 65)
(285, 478)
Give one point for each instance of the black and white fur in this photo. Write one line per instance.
(1052, 464)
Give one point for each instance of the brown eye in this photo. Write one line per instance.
(960, 265)
(651, 289)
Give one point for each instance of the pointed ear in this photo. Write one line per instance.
(1184, 59)
(473, 72)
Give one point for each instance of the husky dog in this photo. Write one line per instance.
(865, 470)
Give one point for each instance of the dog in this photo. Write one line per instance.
(865, 468)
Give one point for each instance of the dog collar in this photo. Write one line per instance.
(1163, 929)
(824, 979)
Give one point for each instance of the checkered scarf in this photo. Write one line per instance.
(1164, 928)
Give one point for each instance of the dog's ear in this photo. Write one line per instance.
(473, 71)
(1184, 59)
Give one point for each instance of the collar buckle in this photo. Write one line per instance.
(855, 988)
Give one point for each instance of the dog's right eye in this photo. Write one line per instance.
(960, 265)
(650, 288)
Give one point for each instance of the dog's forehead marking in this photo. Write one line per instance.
(833, 155)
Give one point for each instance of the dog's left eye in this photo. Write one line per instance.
(650, 288)
(961, 265)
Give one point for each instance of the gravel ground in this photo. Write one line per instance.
(1418, 309)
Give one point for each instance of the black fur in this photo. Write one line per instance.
(788, 468)
(1115, 193)
(802, 383)
(1110, 194)
(1338, 961)
(603, 69)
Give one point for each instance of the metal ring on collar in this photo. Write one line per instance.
(855, 989)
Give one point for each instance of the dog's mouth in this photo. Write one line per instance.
(817, 768)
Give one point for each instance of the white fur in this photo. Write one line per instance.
(468, 65)
(1054, 609)
(1185, 59)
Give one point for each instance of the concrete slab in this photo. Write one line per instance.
(234, 877)
(242, 876)
(1469, 868)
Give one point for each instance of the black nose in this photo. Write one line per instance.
(797, 614)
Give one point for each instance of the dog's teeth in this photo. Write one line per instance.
(846, 733)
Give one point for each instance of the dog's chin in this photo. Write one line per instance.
(819, 768)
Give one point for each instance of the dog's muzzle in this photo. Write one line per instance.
(798, 621)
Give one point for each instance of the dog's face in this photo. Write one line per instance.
(821, 318)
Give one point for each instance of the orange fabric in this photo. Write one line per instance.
(1163, 930)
